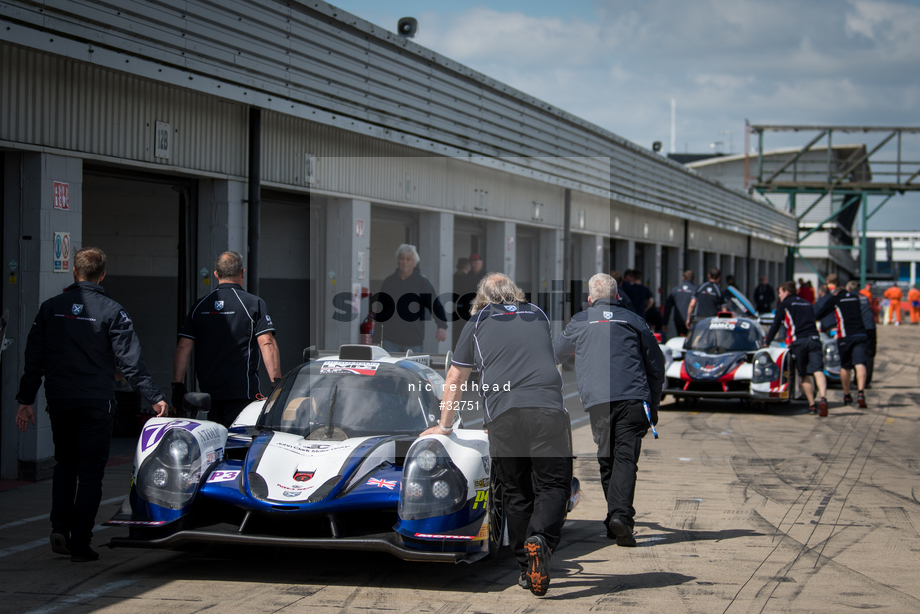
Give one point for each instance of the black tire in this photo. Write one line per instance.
(496, 516)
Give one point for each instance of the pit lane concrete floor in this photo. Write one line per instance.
(738, 511)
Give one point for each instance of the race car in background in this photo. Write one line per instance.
(723, 357)
(331, 459)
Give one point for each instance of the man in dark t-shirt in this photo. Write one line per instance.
(707, 300)
(510, 343)
(232, 332)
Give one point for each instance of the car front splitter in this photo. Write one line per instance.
(379, 542)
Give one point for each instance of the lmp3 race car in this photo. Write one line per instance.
(331, 459)
(723, 357)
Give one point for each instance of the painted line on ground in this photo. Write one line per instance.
(38, 543)
(17, 523)
(83, 598)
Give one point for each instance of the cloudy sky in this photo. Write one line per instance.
(618, 64)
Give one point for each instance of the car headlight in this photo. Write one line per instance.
(169, 476)
(432, 485)
(765, 370)
(831, 356)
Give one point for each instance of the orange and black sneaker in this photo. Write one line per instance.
(861, 400)
(538, 554)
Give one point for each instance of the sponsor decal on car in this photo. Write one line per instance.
(223, 476)
(483, 483)
(388, 484)
(307, 448)
(303, 476)
(153, 434)
(438, 536)
(138, 523)
(722, 324)
(349, 366)
(482, 496)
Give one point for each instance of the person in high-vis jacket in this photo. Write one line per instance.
(913, 297)
(78, 342)
(894, 296)
(620, 371)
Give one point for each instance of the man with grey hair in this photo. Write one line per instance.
(620, 372)
(404, 296)
(226, 326)
(509, 341)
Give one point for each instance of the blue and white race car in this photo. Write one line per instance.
(331, 459)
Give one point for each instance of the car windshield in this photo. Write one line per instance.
(370, 399)
(719, 336)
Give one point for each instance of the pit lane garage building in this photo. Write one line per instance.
(314, 143)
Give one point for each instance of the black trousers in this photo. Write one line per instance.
(225, 411)
(618, 429)
(81, 448)
(530, 448)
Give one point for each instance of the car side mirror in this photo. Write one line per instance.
(197, 404)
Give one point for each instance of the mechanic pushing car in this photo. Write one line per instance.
(708, 299)
(620, 371)
(225, 326)
(798, 316)
(77, 342)
(852, 341)
(510, 342)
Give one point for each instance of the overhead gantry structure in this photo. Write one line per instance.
(856, 174)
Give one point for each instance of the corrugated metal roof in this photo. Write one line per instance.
(315, 61)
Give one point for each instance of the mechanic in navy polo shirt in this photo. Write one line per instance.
(797, 315)
(708, 299)
(678, 302)
(852, 341)
(232, 332)
(510, 342)
(78, 341)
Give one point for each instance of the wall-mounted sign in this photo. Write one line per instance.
(359, 228)
(510, 244)
(162, 140)
(61, 195)
(61, 247)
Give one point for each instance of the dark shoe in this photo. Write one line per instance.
(847, 399)
(537, 564)
(861, 400)
(812, 409)
(822, 406)
(524, 581)
(622, 532)
(59, 542)
(823, 411)
(83, 554)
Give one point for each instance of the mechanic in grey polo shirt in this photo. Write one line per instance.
(510, 342)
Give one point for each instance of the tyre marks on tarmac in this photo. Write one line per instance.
(812, 519)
